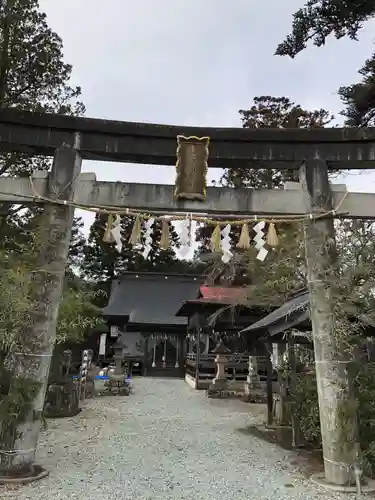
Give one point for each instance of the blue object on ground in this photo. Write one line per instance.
(102, 377)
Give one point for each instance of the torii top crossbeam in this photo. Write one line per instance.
(104, 140)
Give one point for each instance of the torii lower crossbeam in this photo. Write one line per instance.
(159, 198)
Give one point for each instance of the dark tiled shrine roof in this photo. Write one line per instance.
(288, 315)
(151, 298)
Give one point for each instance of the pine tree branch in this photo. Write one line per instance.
(320, 18)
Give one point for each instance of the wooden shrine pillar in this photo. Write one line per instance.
(297, 440)
(198, 356)
(146, 356)
(269, 384)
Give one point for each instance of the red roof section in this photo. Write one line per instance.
(219, 293)
(214, 295)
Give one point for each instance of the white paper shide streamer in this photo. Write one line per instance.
(116, 232)
(148, 237)
(260, 241)
(185, 237)
(225, 244)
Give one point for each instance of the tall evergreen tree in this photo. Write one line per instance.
(100, 257)
(318, 19)
(272, 112)
(77, 246)
(33, 77)
(131, 258)
(33, 74)
(102, 262)
(266, 112)
(315, 22)
(359, 98)
(159, 259)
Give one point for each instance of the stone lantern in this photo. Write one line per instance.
(118, 358)
(220, 382)
(254, 389)
(117, 382)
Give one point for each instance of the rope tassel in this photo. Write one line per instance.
(216, 239)
(272, 238)
(135, 236)
(244, 240)
(164, 238)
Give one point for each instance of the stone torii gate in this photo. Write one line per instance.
(313, 151)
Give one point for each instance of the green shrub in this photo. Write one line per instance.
(307, 408)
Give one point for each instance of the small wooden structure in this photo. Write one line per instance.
(272, 331)
(287, 330)
(293, 313)
(215, 315)
(141, 310)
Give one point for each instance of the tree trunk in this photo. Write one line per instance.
(4, 55)
(337, 406)
(19, 434)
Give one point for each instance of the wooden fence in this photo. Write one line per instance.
(200, 377)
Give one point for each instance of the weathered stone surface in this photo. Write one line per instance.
(160, 197)
(62, 400)
(337, 406)
(148, 143)
(38, 337)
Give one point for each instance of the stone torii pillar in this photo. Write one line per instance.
(337, 406)
(38, 339)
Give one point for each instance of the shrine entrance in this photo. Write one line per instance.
(144, 306)
(165, 355)
(313, 202)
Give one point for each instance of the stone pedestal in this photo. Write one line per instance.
(62, 396)
(220, 382)
(254, 389)
(117, 384)
(62, 400)
(118, 358)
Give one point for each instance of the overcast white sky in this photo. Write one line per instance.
(195, 62)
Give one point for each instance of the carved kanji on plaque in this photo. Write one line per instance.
(191, 166)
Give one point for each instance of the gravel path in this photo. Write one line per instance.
(166, 441)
